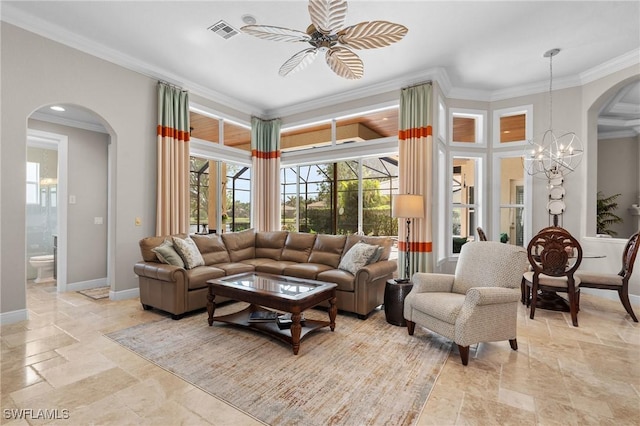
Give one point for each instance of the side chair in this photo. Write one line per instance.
(554, 255)
(618, 282)
(479, 303)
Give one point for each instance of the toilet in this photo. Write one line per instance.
(44, 266)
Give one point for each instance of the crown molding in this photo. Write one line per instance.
(45, 29)
(618, 134)
(60, 35)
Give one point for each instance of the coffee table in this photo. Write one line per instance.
(286, 294)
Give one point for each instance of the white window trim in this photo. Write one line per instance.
(480, 179)
(480, 117)
(527, 110)
(497, 205)
(442, 120)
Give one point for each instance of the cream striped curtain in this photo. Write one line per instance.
(265, 176)
(172, 214)
(415, 146)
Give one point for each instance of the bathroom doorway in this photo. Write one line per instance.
(80, 235)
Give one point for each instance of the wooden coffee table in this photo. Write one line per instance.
(285, 294)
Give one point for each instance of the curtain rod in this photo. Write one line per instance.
(418, 84)
(175, 86)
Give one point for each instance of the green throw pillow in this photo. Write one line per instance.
(357, 257)
(188, 251)
(167, 254)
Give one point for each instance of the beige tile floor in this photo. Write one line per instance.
(561, 375)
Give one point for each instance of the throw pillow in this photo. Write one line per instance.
(376, 255)
(357, 257)
(167, 254)
(188, 251)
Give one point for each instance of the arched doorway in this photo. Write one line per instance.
(83, 231)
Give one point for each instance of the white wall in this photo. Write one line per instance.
(38, 72)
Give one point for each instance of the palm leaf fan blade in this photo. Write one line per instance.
(345, 63)
(298, 61)
(327, 15)
(267, 32)
(372, 34)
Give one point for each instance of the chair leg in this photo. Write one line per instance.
(411, 326)
(623, 293)
(514, 344)
(464, 354)
(534, 300)
(573, 306)
(523, 288)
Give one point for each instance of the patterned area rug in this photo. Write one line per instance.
(365, 373)
(96, 293)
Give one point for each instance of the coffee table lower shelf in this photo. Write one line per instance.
(241, 319)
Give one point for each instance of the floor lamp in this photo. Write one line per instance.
(407, 206)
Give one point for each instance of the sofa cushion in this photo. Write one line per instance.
(240, 245)
(306, 270)
(385, 242)
(358, 256)
(149, 243)
(199, 276)
(167, 254)
(211, 248)
(327, 250)
(274, 267)
(345, 280)
(235, 268)
(298, 246)
(188, 251)
(270, 244)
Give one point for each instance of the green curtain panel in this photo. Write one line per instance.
(265, 182)
(172, 214)
(415, 150)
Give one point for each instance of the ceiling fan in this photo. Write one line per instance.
(325, 35)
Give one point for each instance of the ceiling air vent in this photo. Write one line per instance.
(223, 29)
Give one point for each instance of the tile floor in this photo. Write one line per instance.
(561, 375)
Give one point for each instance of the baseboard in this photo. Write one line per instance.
(86, 285)
(131, 293)
(611, 295)
(13, 316)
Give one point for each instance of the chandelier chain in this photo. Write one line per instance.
(551, 91)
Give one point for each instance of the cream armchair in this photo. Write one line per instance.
(478, 303)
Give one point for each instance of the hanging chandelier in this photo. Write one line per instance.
(556, 153)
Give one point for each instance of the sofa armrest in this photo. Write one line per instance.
(375, 271)
(159, 271)
(426, 282)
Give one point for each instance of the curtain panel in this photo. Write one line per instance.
(415, 149)
(265, 180)
(172, 214)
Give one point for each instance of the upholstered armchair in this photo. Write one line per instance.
(478, 303)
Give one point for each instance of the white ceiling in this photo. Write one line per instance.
(483, 50)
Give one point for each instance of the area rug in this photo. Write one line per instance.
(366, 372)
(96, 293)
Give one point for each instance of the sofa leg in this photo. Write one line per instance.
(177, 317)
(514, 344)
(363, 317)
(146, 307)
(411, 326)
(464, 354)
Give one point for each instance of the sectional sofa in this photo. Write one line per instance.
(180, 289)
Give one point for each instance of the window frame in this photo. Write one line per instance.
(480, 116)
(527, 110)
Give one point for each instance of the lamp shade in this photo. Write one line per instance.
(407, 205)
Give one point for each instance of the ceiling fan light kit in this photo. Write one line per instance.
(326, 36)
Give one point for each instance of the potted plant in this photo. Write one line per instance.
(605, 215)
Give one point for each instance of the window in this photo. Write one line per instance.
(33, 183)
(358, 200)
(513, 126)
(467, 127)
(511, 225)
(206, 127)
(465, 190)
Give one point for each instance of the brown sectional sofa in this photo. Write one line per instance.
(177, 290)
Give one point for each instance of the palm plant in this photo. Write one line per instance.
(605, 216)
